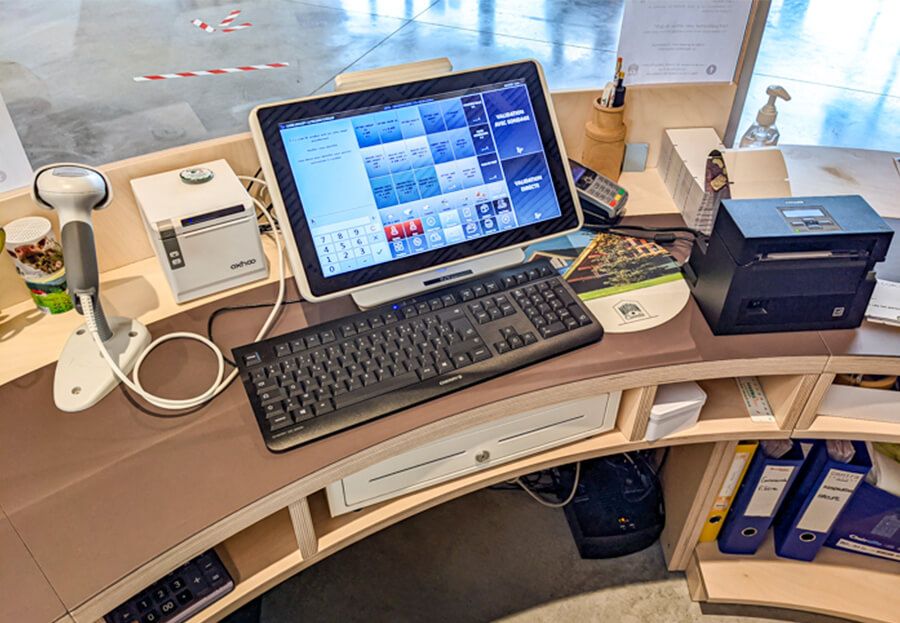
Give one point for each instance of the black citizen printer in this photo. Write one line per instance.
(791, 264)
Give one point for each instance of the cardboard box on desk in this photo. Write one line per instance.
(686, 166)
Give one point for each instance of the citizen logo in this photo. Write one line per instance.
(243, 263)
(452, 379)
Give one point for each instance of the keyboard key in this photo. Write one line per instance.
(529, 338)
(280, 421)
(160, 594)
(553, 329)
(448, 300)
(185, 597)
(466, 294)
(491, 286)
(151, 617)
(516, 342)
(409, 312)
(393, 384)
(282, 350)
(461, 360)
(479, 291)
(480, 354)
(272, 396)
(502, 347)
(143, 604)
(252, 359)
(327, 337)
(322, 407)
(426, 372)
(168, 607)
(348, 329)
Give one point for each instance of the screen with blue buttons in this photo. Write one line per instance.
(387, 182)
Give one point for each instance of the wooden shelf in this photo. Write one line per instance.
(837, 583)
(724, 417)
(832, 427)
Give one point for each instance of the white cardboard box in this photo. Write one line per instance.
(676, 407)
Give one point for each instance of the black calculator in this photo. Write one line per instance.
(178, 596)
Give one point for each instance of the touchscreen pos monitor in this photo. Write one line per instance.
(386, 192)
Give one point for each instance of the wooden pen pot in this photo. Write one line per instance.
(604, 140)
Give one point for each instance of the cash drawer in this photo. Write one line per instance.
(474, 449)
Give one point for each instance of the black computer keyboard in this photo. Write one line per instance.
(329, 377)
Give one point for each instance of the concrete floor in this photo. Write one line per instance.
(491, 556)
(66, 66)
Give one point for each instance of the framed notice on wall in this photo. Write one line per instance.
(678, 41)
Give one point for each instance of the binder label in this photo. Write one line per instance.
(769, 490)
(830, 499)
(731, 480)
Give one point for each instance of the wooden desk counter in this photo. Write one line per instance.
(96, 495)
(112, 498)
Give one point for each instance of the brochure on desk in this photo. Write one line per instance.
(630, 284)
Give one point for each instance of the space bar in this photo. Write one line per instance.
(364, 393)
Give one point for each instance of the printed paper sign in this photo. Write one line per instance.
(666, 41)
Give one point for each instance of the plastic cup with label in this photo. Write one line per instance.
(38, 258)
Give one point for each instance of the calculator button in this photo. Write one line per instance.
(185, 597)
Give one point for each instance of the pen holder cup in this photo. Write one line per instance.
(604, 141)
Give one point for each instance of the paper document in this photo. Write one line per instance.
(666, 41)
(15, 170)
(884, 306)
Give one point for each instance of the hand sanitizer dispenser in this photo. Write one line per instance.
(763, 133)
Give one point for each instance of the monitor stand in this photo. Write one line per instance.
(414, 285)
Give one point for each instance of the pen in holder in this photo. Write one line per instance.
(604, 140)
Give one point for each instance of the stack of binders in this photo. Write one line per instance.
(798, 488)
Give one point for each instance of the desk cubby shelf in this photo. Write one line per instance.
(837, 583)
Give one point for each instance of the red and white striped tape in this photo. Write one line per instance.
(229, 18)
(237, 27)
(209, 72)
(203, 26)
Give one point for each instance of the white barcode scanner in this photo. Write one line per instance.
(83, 377)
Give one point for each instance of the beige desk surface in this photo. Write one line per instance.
(25, 594)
